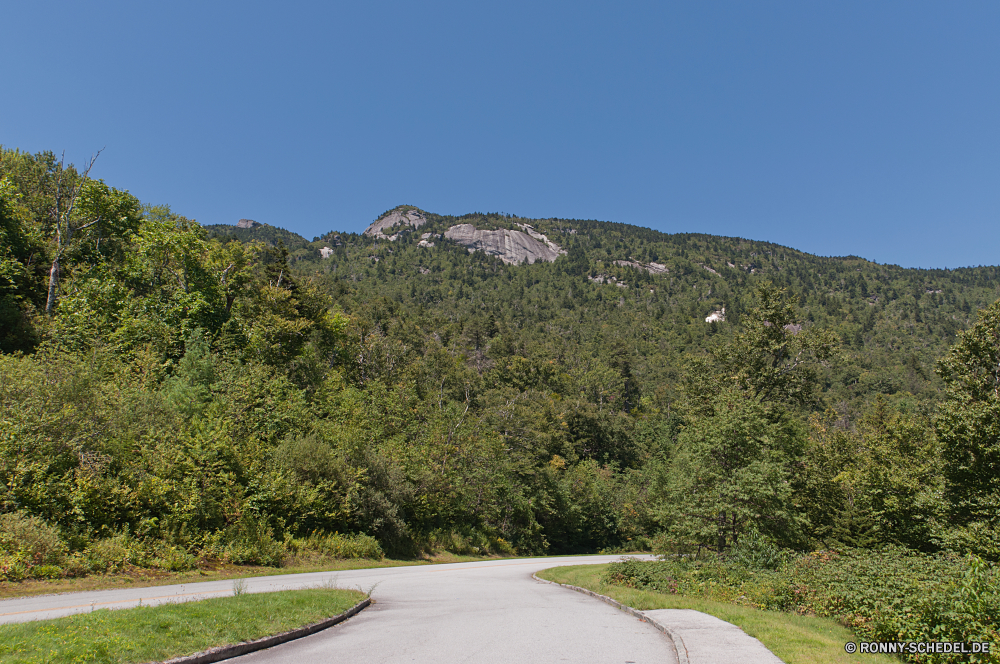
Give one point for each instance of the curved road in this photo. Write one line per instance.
(484, 612)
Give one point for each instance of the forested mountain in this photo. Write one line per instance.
(893, 322)
(229, 392)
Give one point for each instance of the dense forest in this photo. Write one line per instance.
(171, 392)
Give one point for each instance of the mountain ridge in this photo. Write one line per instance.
(497, 221)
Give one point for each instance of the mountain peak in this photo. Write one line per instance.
(403, 215)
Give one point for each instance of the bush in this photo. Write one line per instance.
(173, 558)
(250, 541)
(114, 554)
(469, 543)
(892, 594)
(900, 595)
(713, 577)
(32, 538)
(338, 546)
(754, 551)
(29, 548)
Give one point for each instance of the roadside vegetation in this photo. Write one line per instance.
(142, 577)
(794, 638)
(889, 595)
(159, 633)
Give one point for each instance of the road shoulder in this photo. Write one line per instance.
(221, 653)
(697, 637)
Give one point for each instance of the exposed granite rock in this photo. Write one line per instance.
(426, 240)
(411, 218)
(326, 252)
(606, 279)
(247, 223)
(652, 268)
(511, 246)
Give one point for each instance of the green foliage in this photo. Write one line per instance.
(29, 548)
(21, 252)
(969, 429)
(338, 546)
(250, 541)
(713, 577)
(756, 552)
(892, 594)
(874, 481)
(728, 472)
(770, 358)
(225, 392)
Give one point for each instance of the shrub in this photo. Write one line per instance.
(32, 538)
(713, 577)
(250, 541)
(29, 548)
(338, 546)
(114, 554)
(900, 595)
(173, 558)
(756, 552)
(470, 542)
(892, 594)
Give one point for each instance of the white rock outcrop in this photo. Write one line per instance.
(326, 252)
(411, 218)
(652, 268)
(607, 279)
(716, 316)
(427, 240)
(511, 246)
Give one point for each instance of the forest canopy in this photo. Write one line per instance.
(183, 392)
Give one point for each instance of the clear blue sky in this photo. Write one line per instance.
(866, 128)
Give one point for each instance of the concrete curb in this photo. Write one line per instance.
(675, 639)
(226, 652)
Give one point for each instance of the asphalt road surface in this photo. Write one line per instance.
(485, 612)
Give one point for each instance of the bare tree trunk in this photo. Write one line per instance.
(50, 303)
(722, 533)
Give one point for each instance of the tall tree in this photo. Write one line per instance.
(968, 426)
(729, 472)
(21, 254)
(772, 358)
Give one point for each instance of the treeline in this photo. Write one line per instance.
(212, 393)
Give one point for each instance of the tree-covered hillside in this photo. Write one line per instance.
(893, 322)
(169, 391)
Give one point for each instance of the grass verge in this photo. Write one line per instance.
(793, 638)
(157, 633)
(143, 578)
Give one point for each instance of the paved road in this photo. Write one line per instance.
(486, 612)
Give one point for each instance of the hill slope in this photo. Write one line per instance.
(649, 294)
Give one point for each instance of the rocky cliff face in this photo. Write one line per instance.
(408, 219)
(511, 246)
(247, 223)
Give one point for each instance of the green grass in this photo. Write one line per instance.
(141, 578)
(157, 633)
(795, 639)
